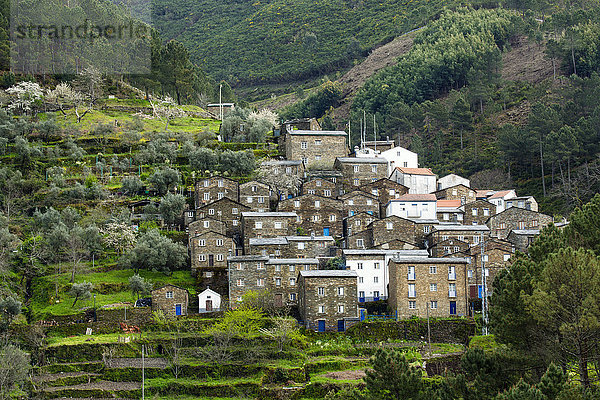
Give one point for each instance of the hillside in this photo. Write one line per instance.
(253, 43)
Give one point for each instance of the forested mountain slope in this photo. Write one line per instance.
(250, 43)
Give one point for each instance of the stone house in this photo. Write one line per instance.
(206, 224)
(526, 202)
(267, 225)
(225, 210)
(278, 276)
(327, 299)
(499, 199)
(209, 301)
(358, 201)
(209, 251)
(292, 169)
(478, 212)
(171, 300)
(417, 180)
(521, 239)
(320, 187)
(379, 145)
(360, 240)
(316, 214)
(516, 218)
(451, 180)
(358, 171)
(423, 227)
(451, 247)
(413, 206)
(470, 234)
(385, 190)
(307, 124)
(393, 228)
(311, 246)
(394, 156)
(450, 211)
(396, 244)
(255, 195)
(277, 247)
(371, 266)
(460, 192)
(420, 283)
(496, 257)
(357, 223)
(315, 148)
(215, 188)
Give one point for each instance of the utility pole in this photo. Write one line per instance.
(484, 304)
(374, 134)
(220, 102)
(428, 329)
(143, 395)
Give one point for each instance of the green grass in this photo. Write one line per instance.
(82, 339)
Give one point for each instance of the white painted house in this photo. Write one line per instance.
(452, 180)
(417, 180)
(413, 206)
(371, 266)
(499, 199)
(209, 301)
(395, 157)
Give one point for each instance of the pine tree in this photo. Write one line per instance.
(392, 377)
(552, 382)
(462, 118)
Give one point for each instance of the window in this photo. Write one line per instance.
(169, 295)
(446, 249)
(260, 265)
(254, 188)
(332, 218)
(300, 245)
(485, 257)
(534, 223)
(411, 273)
(202, 242)
(208, 274)
(292, 268)
(360, 243)
(474, 212)
(412, 292)
(356, 182)
(373, 168)
(234, 210)
(486, 212)
(369, 202)
(202, 257)
(389, 225)
(321, 309)
(456, 249)
(433, 305)
(376, 265)
(444, 237)
(220, 257)
(446, 216)
(340, 291)
(317, 157)
(304, 160)
(357, 222)
(260, 282)
(206, 196)
(327, 193)
(502, 225)
(292, 281)
(278, 224)
(219, 242)
(451, 273)
(249, 199)
(454, 192)
(433, 269)
(205, 183)
(412, 305)
(375, 279)
(277, 281)
(375, 192)
(240, 282)
(292, 296)
(261, 199)
(306, 267)
(476, 239)
(461, 238)
(206, 224)
(315, 218)
(321, 291)
(296, 203)
(361, 279)
(317, 203)
(340, 309)
(317, 142)
(278, 268)
(234, 222)
(506, 257)
(426, 229)
(288, 170)
(351, 202)
(318, 182)
(356, 168)
(258, 225)
(211, 211)
(240, 266)
(433, 287)
(470, 273)
(359, 266)
(521, 224)
(304, 145)
(220, 183)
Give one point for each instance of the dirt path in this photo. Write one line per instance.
(59, 375)
(348, 375)
(102, 385)
(137, 363)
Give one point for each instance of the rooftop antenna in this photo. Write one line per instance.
(364, 128)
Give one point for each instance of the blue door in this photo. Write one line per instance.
(289, 196)
(177, 309)
(321, 326)
(325, 231)
(479, 291)
(452, 308)
(341, 325)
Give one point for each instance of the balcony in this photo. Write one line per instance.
(411, 276)
(452, 276)
(451, 293)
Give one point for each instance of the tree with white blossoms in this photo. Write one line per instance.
(64, 94)
(24, 95)
(118, 236)
(166, 109)
(278, 181)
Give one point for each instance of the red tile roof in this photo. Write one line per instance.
(415, 171)
(448, 203)
(500, 194)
